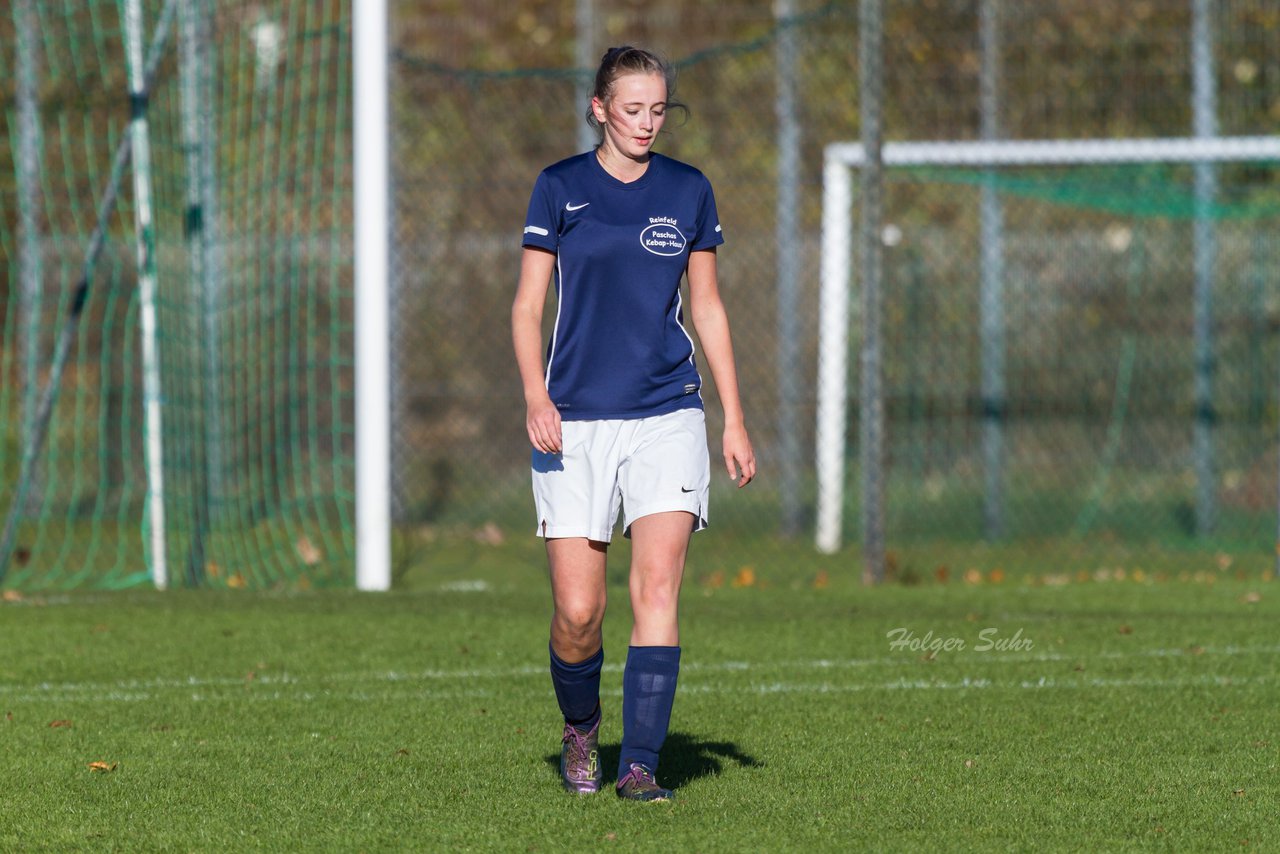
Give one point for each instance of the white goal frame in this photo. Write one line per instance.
(843, 158)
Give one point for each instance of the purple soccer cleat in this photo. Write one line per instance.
(638, 785)
(580, 759)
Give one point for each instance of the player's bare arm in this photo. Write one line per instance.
(542, 420)
(712, 323)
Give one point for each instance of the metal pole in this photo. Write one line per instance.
(214, 269)
(193, 27)
(584, 54)
(372, 263)
(140, 143)
(872, 416)
(1204, 111)
(833, 350)
(991, 300)
(787, 241)
(30, 245)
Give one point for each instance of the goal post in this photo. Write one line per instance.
(372, 272)
(843, 161)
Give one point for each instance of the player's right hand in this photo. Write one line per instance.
(543, 423)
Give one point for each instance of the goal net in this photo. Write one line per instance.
(248, 116)
(1078, 344)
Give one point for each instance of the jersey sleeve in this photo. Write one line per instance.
(542, 223)
(707, 228)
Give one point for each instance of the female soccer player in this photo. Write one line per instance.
(615, 415)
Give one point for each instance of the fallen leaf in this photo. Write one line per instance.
(715, 580)
(307, 551)
(822, 580)
(490, 534)
(972, 576)
(103, 767)
(1126, 629)
(611, 836)
(58, 724)
(212, 570)
(746, 577)
(968, 763)
(402, 752)
(1251, 597)
(21, 555)
(236, 582)
(942, 573)
(996, 576)
(11, 596)
(8, 716)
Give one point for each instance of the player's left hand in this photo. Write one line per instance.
(739, 458)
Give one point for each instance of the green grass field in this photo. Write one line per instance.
(1130, 715)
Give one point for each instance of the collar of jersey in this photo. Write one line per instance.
(597, 169)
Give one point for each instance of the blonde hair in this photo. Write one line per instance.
(620, 61)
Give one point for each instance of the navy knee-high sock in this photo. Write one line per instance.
(648, 690)
(578, 689)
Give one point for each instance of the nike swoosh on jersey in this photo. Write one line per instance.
(570, 207)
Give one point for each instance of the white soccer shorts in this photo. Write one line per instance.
(642, 465)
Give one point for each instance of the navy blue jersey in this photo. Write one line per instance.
(619, 348)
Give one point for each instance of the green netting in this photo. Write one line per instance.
(1099, 367)
(1245, 191)
(250, 189)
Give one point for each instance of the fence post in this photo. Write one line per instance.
(30, 273)
(787, 241)
(1204, 108)
(872, 415)
(991, 300)
(584, 53)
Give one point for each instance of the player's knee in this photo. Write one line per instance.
(579, 623)
(656, 595)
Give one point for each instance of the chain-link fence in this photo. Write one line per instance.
(1138, 337)
(1098, 407)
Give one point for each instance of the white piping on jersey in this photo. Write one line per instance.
(555, 329)
(535, 229)
(692, 349)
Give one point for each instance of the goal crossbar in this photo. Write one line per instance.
(840, 161)
(1064, 152)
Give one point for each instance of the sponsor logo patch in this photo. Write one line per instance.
(662, 237)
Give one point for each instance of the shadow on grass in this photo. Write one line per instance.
(684, 758)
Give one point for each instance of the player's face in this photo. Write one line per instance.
(634, 115)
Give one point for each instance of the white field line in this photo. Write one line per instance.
(323, 684)
(966, 683)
